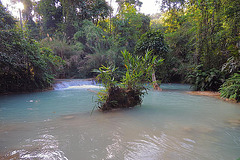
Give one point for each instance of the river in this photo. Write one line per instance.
(169, 125)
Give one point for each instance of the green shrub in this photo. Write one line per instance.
(231, 88)
(232, 65)
(130, 91)
(71, 53)
(24, 66)
(209, 80)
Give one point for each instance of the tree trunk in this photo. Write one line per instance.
(155, 85)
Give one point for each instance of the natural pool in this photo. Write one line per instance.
(170, 125)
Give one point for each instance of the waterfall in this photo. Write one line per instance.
(75, 84)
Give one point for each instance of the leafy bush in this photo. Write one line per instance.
(231, 88)
(129, 92)
(93, 61)
(24, 66)
(232, 65)
(209, 80)
(71, 53)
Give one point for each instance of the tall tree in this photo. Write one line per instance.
(135, 3)
(128, 26)
(27, 11)
(167, 5)
(152, 41)
(76, 11)
(6, 20)
(50, 12)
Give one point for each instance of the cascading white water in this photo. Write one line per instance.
(75, 84)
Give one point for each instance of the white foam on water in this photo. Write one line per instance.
(84, 87)
(76, 84)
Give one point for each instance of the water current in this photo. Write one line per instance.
(169, 125)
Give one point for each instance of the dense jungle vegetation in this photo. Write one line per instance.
(199, 41)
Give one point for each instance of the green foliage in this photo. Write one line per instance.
(92, 37)
(82, 33)
(128, 26)
(93, 61)
(24, 65)
(152, 41)
(173, 69)
(201, 32)
(181, 42)
(27, 11)
(54, 62)
(6, 20)
(129, 92)
(51, 14)
(180, 37)
(71, 29)
(206, 80)
(232, 65)
(71, 53)
(172, 4)
(99, 49)
(33, 29)
(76, 11)
(216, 34)
(91, 48)
(231, 88)
(135, 3)
(106, 76)
(139, 68)
(98, 9)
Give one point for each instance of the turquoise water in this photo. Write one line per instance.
(168, 125)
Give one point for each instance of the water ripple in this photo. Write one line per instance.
(45, 147)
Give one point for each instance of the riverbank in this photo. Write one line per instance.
(210, 94)
(55, 81)
(30, 91)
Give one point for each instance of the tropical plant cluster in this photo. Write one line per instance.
(231, 88)
(210, 80)
(129, 91)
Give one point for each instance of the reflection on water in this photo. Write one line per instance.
(43, 147)
(168, 125)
